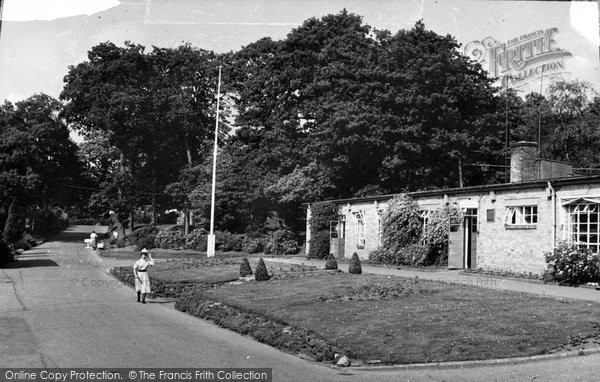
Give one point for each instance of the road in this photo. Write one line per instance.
(59, 308)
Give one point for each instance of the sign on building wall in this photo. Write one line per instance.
(526, 45)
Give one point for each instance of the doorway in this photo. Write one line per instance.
(462, 241)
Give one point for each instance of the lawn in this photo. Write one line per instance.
(399, 321)
(131, 252)
(216, 270)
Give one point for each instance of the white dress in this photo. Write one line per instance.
(142, 284)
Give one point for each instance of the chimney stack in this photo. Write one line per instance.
(523, 156)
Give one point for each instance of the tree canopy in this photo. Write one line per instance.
(153, 109)
(336, 109)
(39, 165)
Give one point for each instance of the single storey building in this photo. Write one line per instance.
(505, 226)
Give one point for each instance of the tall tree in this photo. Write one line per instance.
(338, 109)
(570, 102)
(153, 108)
(39, 164)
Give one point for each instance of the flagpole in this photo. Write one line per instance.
(1, 6)
(210, 250)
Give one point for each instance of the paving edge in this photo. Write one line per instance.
(477, 363)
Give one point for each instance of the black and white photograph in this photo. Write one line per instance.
(299, 190)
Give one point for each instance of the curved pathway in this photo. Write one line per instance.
(59, 308)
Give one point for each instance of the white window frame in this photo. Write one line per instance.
(337, 228)
(582, 220)
(521, 215)
(361, 240)
(425, 215)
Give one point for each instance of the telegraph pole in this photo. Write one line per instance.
(210, 250)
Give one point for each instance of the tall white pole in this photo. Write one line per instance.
(210, 250)
(1, 6)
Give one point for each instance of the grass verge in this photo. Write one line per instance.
(400, 321)
(379, 319)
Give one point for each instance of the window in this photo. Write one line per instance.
(360, 230)
(491, 215)
(426, 215)
(521, 215)
(582, 225)
(337, 229)
(471, 214)
(379, 230)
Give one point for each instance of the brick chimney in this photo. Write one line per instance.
(523, 157)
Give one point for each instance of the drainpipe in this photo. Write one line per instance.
(553, 195)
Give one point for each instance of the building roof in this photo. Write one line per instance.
(542, 183)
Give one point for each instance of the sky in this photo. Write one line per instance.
(40, 38)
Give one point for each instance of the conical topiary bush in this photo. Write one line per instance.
(261, 271)
(355, 266)
(331, 262)
(245, 269)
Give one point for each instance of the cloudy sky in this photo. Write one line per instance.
(41, 38)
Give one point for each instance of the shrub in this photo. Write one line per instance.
(27, 238)
(14, 225)
(571, 264)
(401, 223)
(120, 243)
(245, 269)
(21, 245)
(414, 254)
(380, 256)
(197, 240)
(319, 245)
(355, 266)
(6, 254)
(281, 242)
(253, 244)
(50, 222)
(82, 221)
(331, 262)
(227, 241)
(261, 271)
(143, 237)
(168, 218)
(170, 239)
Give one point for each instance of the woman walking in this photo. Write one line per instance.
(140, 271)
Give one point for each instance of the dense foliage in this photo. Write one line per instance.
(281, 242)
(143, 237)
(38, 165)
(401, 223)
(148, 114)
(170, 239)
(411, 255)
(334, 110)
(6, 254)
(571, 264)
(435, 233)
(321, 216)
